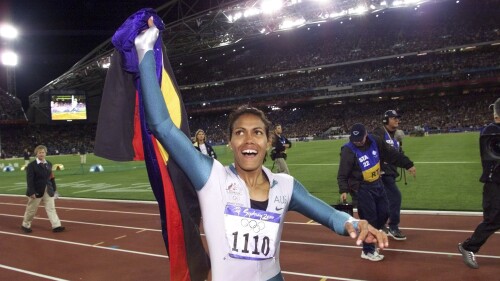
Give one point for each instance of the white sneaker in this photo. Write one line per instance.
(375, 256)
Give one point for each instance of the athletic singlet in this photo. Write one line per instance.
(243, 243)
(368, 160)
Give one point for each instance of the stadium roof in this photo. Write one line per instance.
(195, 27)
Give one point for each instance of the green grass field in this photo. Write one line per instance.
(448, 169)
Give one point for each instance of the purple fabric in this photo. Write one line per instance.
(124, 37)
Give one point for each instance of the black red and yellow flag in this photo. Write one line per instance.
(122, 135)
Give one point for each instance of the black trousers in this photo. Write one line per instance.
(394, 197)
(491, 218)
(373, 206)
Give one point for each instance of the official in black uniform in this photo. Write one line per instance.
(390, 173)
(41, 188)
(490, 159)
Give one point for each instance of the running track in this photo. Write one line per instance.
(108, 240)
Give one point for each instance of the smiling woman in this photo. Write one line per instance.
(243, 205)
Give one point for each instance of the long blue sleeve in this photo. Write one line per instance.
(196, 165)
(310, 206)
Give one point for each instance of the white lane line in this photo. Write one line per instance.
(142, 229)
(120, 237)
(150, 202)
(91, 223)
(320, 276)
(84, 245)
(32, 273)
(405, 212)
(388, 249)
(89, 210)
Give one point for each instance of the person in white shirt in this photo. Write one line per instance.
(200, 142)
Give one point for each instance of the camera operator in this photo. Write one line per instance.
(489, 139)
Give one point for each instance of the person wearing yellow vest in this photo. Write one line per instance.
(360, 160)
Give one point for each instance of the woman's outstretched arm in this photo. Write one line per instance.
(196, 166)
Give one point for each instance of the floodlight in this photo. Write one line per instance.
(271, 6)
(251, 12)
(9, 58)
(8, 31)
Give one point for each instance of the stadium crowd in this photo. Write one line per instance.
(432, 27)
(434, 114)
(438, 67)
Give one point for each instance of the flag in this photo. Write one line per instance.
(122, 135)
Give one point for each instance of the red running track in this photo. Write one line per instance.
(107, 240)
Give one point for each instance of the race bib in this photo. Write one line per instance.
(251, 234)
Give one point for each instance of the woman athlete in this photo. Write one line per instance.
(243, 205)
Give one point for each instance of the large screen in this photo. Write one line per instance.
(68, 105)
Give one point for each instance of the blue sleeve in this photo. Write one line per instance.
(196, 165)
(310, 206)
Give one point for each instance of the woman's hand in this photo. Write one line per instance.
(367, 233)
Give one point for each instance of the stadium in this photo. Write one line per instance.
(317, 68)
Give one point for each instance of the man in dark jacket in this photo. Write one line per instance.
(360, 160)
(490, 160)
(390, 173)
(41, 187)
(278, 153)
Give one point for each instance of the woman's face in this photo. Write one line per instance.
(40, 154)
(200, 137)
(249, 142)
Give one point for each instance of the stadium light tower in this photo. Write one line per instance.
(9, 33)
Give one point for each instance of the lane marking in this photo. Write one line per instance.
(311, 223)
(120, 237)
(321, 276)
(92, 223)
(89, 210)
(85, 245)
(31, 273)
(388, 249)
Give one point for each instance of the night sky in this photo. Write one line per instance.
(55, 34)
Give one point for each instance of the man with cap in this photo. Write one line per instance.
(360, 160)
(490, 159)
(390, 173)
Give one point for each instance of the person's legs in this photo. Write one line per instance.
(382, 208)
(489, 225)
(30, 212)
(394, 197)
(281, 165)
(491, 218)
(50, 208)
(367, 211)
